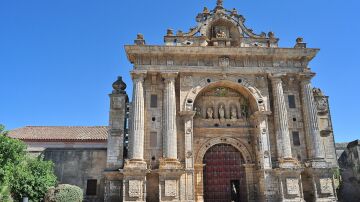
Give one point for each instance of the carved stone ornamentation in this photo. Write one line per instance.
(292, 186)
(224, 62)
(326, 186)
(119, 86)
(221, 112)
(171, 188)
(135, 188)
(233, 113)
(322, 105)
(210, 113)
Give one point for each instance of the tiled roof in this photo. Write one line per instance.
(61, 133)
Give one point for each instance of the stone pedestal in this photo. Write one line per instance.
(322, 182)
(113, 186)
(170, 172)
(134, 181)
(290, 185)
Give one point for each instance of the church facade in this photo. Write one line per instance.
(220, 113)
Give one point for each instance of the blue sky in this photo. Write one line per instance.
(58, 59)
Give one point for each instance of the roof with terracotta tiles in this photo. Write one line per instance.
(61, 133)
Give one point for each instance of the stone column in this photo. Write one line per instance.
(137, 123)
(310, 117)
(170, 136)
(281, 119)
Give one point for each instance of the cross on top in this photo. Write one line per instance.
(219, 3)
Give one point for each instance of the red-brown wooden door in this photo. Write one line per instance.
(223, 174)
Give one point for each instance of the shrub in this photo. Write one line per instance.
(64, 193)
(5, 195)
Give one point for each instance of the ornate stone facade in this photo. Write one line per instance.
(222, 101)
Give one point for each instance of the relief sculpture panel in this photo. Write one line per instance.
(221, 107)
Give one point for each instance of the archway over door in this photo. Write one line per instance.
(224, 175)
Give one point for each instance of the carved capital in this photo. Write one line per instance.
(169, 76)
(276, 77)
(187, 114)
(138, 75)
(305, 78)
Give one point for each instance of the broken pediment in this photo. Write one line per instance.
(220, 27)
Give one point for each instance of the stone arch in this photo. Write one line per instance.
(248, 158)
(256, 100)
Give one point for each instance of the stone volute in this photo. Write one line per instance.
(119, 86)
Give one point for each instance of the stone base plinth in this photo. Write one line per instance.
(135, 164)
(289, 163)
(169, 164)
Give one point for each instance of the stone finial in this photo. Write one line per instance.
(300, 43)
(219, 5)
(140, 39)
(271, 35)
(317, 92)
(234, 12)
(170, 32)
(206, 11)
(119, 86)
(179, 33)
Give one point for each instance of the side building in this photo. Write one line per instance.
(79, 154)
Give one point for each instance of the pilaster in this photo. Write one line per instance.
(189, 155)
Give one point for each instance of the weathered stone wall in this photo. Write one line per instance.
(349, 162)
(76, 166)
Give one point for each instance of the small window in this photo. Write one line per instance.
(291, 99)
(91, 187)
(296, 138)
(153, 101)
(153, 139)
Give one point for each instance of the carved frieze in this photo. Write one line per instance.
(135, 188)
(171, 188)
(292, 186)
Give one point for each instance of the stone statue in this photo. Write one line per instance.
(221, 34)
(221, 112)
(210, 113)
(233, 113)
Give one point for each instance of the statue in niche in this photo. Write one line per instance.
(222, 112)
(210, 113)
(233, 113)
(244, 111)
(198, 111)
(221, 32)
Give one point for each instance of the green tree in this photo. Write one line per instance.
(22, 174)
(32, 178)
